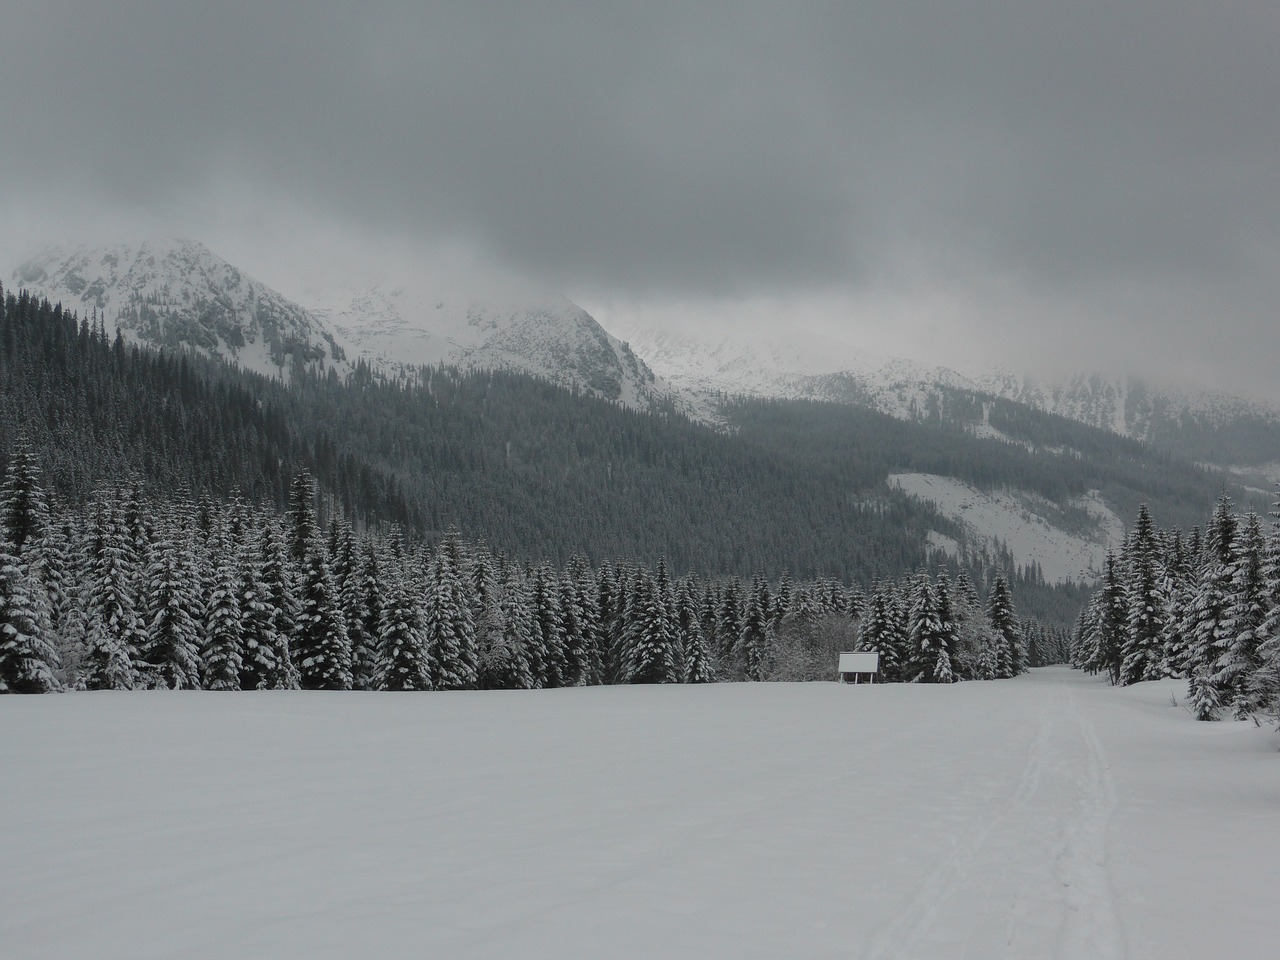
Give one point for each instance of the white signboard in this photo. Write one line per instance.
(859, 662)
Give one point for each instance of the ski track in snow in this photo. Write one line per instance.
(1028, 880)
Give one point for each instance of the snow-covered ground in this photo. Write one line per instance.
(1048, 816)
(1019, 521)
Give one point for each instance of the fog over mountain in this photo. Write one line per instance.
(1049, 188)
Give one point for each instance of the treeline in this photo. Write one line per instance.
(126, 592)
(529, 467)
(1205, 606)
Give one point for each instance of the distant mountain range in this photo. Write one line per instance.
(178, 294)
(1230, 433)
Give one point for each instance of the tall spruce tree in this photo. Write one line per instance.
(27, 658)
(321, 650)
(449, 632)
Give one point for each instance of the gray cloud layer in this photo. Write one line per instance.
(1116, 160)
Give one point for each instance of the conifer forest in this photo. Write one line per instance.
(170, 580)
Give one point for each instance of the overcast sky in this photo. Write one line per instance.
(1037, 184)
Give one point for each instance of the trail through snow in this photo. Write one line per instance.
(1045, 817)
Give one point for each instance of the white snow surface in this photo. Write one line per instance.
(1022, 521)
(1047, 816)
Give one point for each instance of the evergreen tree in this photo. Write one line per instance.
(697, 659)
(755, 638)
(504, 657)
(406, 662)
(172, 654)
(1239, 658)
(1010, 659)
(274, 667)
(320, 648)
(23, 507)
(1209, 621)
(111, 619)
(1142, 650)
(27, 658)
(930, 662)
(653, 649)
(883, 633)
(550, 663)
(304, 526)
(222, 654)
(447, 625)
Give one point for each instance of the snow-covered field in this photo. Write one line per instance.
(1048, 816)
(1011, 519)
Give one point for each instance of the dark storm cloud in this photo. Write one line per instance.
(709, 149)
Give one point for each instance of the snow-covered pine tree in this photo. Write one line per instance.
(1264, 685)
(544, 595)
(729, 620)
(755, 637)
(929, 661)
(27, 658)
(504, 652)
(944, 671)
(256, 616)
(450, 634)
(24, 510)
(612, 601)
(273, 667)
(1110, 624)
(1142, 651)
(697, 659)
(304, 525)
(707, 608)
(1010, 656)
(780, 605)
(406, 663)
(111, 619)
(590, 652)
(175, 613)
(362, 601)
(1239, 658)
(653, 650)
(221, 655)
(881, 633)
(56, 566)
(1209, 616)
(576, 658)
(320, 647)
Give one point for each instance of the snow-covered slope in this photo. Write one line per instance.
(1128, 406)
(176, 293)
(1178, 418)
(1048, 816)
(800, 368)
(556, 340)
(1030, 527)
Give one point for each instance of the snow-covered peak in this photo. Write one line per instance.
(1128, 406)
(554, 339)
(801, 367)
(176, 293)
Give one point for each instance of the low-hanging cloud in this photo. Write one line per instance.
(1110, 164)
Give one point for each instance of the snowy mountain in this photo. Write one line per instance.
(176, 293)
(809, 368)
(1210, 427)
(555, 340)
(1204, 425)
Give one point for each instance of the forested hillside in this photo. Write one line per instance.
(539, 472)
